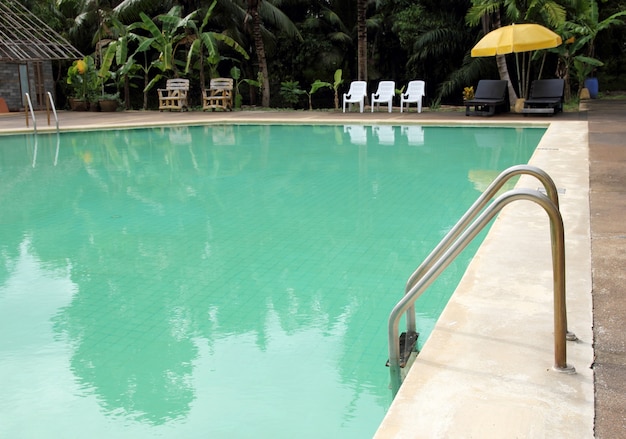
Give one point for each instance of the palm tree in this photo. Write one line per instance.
(259, 48)
(492, 20)
(361, 30)
(258, 11)
(328, 42)
(437, 39)
(127, 11)
(84, 18)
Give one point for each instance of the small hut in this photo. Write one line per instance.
(27, 48)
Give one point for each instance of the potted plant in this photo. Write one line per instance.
(83, 80)
(76, 82)
(587, 86)
(109, 101)
(578, 50)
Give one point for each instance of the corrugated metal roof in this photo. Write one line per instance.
(24, 37)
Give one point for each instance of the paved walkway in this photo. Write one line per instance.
(76, 120)
(607, 177)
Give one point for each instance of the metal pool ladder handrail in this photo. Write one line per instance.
(50, 103)
(471, 213)
(32, 112)
(450, 247)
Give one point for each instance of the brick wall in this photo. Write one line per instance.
(10, 86)
(11, 90)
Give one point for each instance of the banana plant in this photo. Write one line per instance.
(235, 73)
(201, 40)
(315, 87)
(577, 53)
(338, 81)
(116, 43)
(165, 40)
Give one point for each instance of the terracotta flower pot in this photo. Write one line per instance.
(78, 104)
(108, 104)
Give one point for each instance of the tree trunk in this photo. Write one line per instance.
(361, 28)
(562, 71)
(145, 93)
(253, 10)
(126, 92)
(503, 69)
(202, 80)
(146, 81)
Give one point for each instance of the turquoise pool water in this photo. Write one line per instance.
(222, 281)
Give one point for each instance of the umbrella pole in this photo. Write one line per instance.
(530, 58)
(524, 75)
(519, 77)
(543, 60)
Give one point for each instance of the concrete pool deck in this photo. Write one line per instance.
(486, 370)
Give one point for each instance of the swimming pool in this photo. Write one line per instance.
(232, 281)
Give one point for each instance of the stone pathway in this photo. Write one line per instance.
(607, 167)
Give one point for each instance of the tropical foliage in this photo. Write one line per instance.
(138, 44)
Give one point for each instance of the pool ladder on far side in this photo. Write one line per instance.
(402, 349)
(49, 105)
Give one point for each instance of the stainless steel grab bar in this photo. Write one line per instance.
(471, 213)
(32, 112)
(453, 250)
(49, 103)
(54, 110)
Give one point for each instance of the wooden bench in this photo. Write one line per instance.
(219, 95)
(174, 95)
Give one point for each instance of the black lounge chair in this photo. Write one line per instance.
(491, 97)
(546, 97)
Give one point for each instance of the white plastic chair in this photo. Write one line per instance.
(414, 93)
(384, 95)
(356, 95)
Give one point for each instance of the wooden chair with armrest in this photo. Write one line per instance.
(174, 95)
(219, 95)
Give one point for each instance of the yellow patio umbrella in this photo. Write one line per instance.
(517, 38)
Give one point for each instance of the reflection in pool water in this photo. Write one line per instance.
(222, 281)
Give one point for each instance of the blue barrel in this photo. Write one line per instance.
(592, 85)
